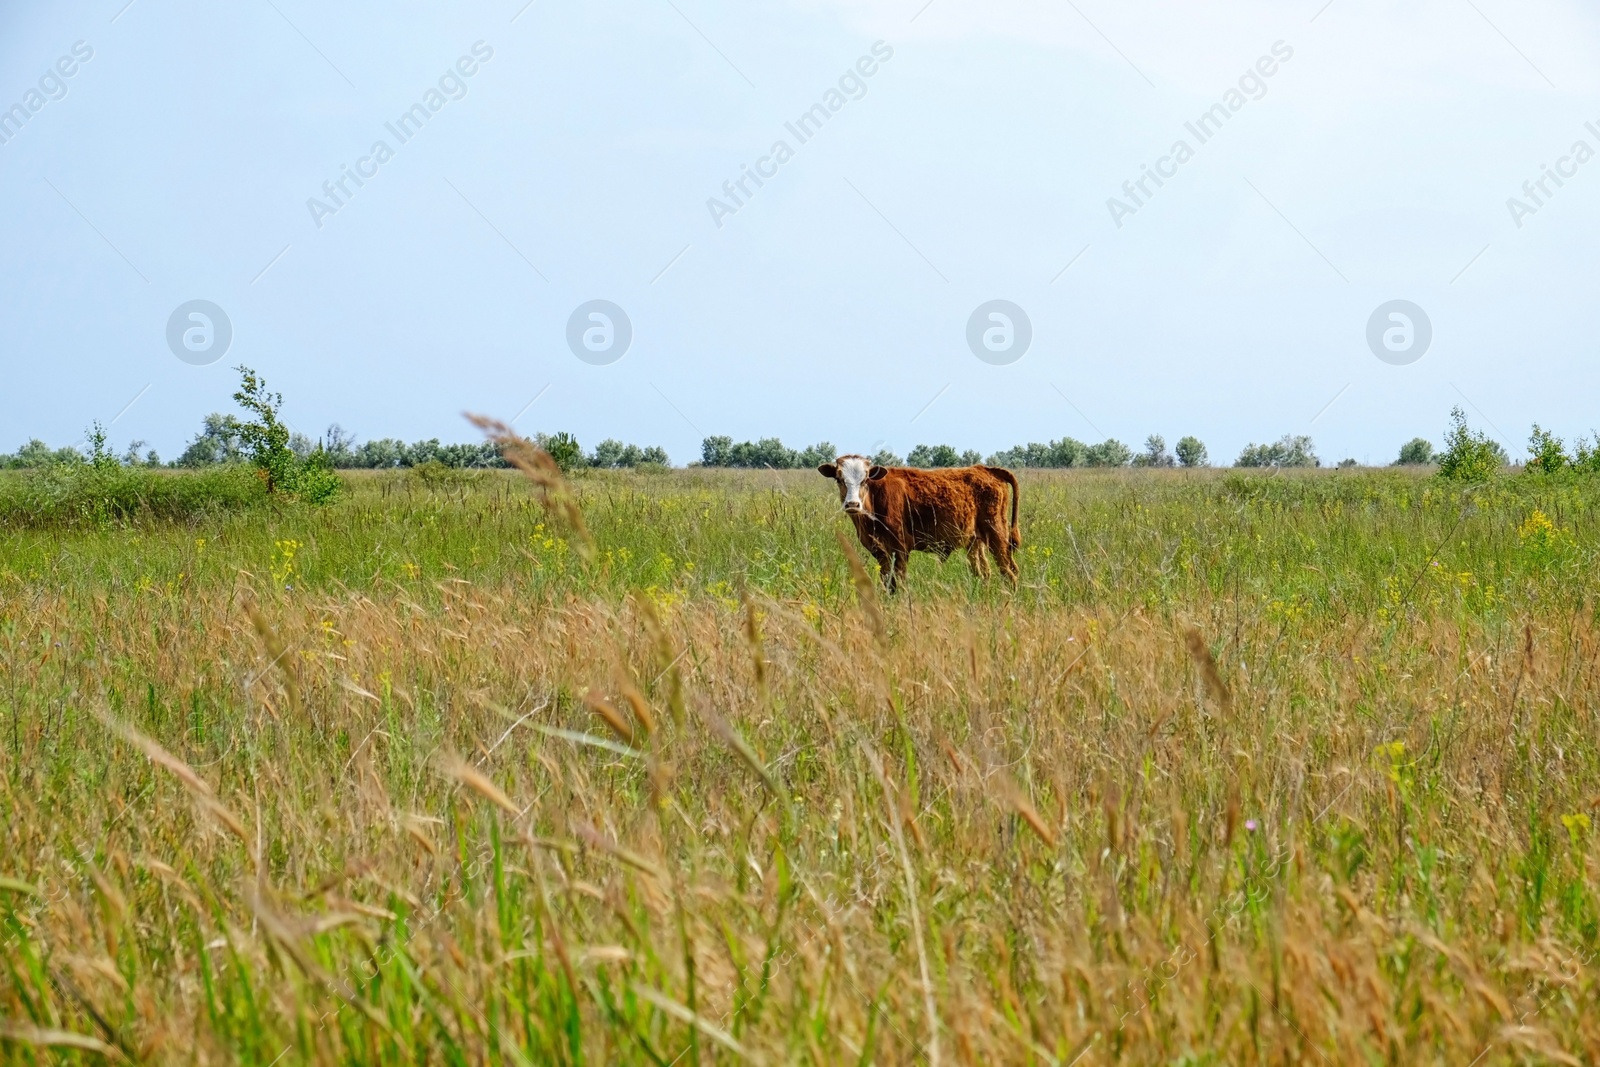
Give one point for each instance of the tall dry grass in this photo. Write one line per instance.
(1150, 814)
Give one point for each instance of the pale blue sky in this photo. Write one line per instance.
(977, 164)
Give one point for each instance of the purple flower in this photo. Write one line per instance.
(1250, 824)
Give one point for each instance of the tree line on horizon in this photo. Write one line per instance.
(228, 439)
(721, 451)
(221, 441)
(244, 461)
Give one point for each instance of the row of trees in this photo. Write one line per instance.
(767, 452)
(1070, 452)
(300, 465)
(1468, 454)
(222, 440)
(1067, 452)
(770, 452)
(218, 442)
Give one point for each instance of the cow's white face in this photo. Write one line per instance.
(852, 473)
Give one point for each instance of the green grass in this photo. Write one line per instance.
(79, 495)
(1291, 767)
(1319, 542)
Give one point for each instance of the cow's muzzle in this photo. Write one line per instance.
(852, 509)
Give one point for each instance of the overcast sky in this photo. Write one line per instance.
(186, 159)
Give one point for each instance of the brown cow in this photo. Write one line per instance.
(900, 510)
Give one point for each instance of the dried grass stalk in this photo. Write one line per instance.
(541, 469)
(1206, 663)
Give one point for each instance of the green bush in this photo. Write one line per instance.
(884, 457)
(1192, 452)
(1155, 453)
(84, 494)
(217, 442)
(721, 451)
(1416, 452)
(38, 454)
(1546, 453)
(1067, 452)
(1290, 450)
(1108, 453)
(933, 456)
(314, 479)
(265, 442)
(1469, 455)
(434, 474)
(1587, 458)
(564, 449)
(612, 453)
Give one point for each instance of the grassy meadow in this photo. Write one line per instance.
(1251, 768)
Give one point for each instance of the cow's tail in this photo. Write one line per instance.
(1016, 499)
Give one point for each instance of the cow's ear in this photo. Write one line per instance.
(828, 470)
(877, 472)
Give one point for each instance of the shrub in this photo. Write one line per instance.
(1469, 455)
(100, 456)
(612, 453)
(432, 474)
(73, 494)
(1108, 453)
(1415, 453)
(1155, 453)
(1067, 452)
(768, 452)
(391, 452)
(1546, 453)
(386, 452)
(265, 443)
(38, 454)
(819, 453)
(1290, 450)
(339, 445)
(302, 445)
(1192, 452)
(931, 456)
(564, 449)
(132, 459)
(1587, 459)
(314, 479)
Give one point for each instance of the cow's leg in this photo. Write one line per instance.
(998, 538)
(976, 559)
(899, 569)
(885, 562)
